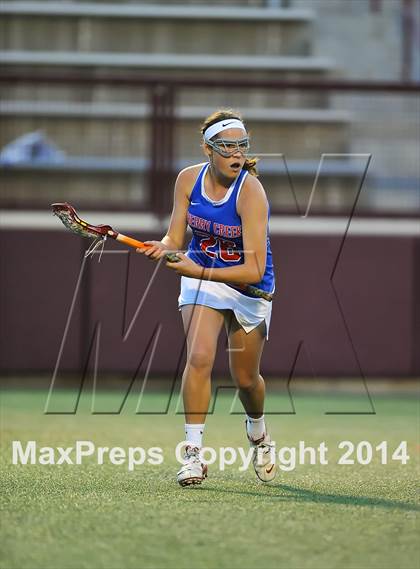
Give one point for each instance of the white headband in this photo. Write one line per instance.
(223, 125)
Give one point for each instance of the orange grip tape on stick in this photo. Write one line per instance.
(132, 242)
(171, 257)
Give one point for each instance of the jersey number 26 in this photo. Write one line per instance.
(214, 248)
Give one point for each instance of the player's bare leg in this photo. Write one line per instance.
(202, 327)
(245, 352)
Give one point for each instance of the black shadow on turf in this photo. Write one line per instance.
(302, 495)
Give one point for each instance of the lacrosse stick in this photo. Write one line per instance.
(100, 233)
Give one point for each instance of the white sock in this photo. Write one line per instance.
(255, 427)
(194, 434)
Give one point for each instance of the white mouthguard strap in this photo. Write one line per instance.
(223, 125)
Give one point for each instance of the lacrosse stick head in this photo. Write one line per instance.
(72, 221)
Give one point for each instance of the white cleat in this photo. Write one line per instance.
(263, 458)
(193, 471)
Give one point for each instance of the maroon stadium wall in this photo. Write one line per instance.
(359, 315)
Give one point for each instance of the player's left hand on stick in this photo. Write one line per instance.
(185, 266)
(155, 251)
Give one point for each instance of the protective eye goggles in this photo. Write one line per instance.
(227, 148)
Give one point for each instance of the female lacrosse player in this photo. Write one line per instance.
(226, 208)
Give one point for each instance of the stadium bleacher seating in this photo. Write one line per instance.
(105, 131)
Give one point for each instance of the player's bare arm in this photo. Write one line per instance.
(175, 236)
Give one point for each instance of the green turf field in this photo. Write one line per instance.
(103, 516)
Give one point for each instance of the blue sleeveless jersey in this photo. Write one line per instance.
(217, 231)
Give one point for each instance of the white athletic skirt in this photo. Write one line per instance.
(249, 312)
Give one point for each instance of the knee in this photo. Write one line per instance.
(200, 362)
(245, 380)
